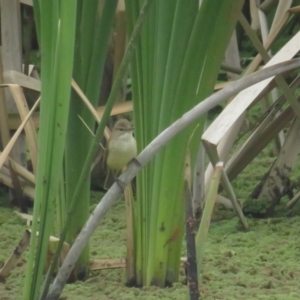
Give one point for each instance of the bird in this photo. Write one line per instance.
(121, 148)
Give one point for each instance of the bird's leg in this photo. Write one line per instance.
(120, 183)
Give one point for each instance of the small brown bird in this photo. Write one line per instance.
(121, 146)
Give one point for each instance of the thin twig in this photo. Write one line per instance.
(191, 263)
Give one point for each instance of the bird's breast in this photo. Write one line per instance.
(121, 151)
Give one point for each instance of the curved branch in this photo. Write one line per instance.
(147, 154)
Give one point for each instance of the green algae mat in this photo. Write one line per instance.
(260, 264)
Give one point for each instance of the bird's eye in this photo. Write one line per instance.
(121, 129)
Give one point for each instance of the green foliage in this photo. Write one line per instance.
(255, 207)
(93, 30)
(173, 69)
(58, 40)
(91, 155)
(56, 23)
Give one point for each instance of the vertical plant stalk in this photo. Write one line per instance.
(4, 129)
(93, 28)
(207, 213)
(57, 31)
(130, 273)
(31, 136)
(198, 181)
(178, 57)
(191, 263)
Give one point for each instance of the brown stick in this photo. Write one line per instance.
(191, 262)
(130, 274)
(15, 255)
